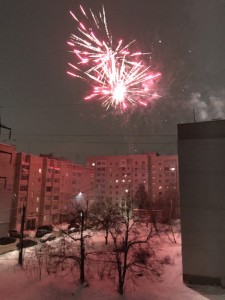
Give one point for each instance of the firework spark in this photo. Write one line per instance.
(119, 76)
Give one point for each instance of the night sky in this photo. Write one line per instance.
(45, 107)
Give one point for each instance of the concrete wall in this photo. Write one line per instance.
(201, 152)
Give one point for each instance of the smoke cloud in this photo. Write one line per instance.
(208, 106)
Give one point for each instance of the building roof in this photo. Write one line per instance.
(202, 130)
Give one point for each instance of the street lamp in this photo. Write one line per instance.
(20, 258)
(80, 203)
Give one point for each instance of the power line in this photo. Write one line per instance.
(95, 135)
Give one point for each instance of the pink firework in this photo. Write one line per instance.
(119, 77)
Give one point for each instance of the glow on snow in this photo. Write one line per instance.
(119, 76)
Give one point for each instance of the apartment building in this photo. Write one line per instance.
(201, 148)
(115, 176)
(7, 158)
(165, 184)
(46, 186)
(27, 190)
(62, 182)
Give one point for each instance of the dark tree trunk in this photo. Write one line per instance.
(120, 287)
(82, 250)
(106, 236)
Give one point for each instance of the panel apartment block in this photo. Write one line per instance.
(201, 151)
(7, 158)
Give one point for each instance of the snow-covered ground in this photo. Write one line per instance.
(25, 285)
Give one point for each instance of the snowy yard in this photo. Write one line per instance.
(25, 285)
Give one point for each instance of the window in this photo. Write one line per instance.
(23, 188)
(46, 218)
(23, 199)
(24, 177)
(25, 167)
(48, 188)
(123, 162)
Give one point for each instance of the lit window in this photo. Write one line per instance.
(37, 209)
(117, 180)
(46, 218)
(39, 171)
(160, 187)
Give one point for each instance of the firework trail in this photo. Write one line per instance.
(119, 76)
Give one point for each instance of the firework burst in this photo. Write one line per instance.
(119, 77)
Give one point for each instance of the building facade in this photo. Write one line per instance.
(165, 185)
(7, 158)
(46, 186)
(115, 176)
(201, 151)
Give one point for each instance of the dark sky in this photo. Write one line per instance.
(44, 106)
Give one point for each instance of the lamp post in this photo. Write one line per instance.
(20, 259)
(80, 202)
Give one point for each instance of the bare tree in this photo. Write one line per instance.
(131, 249)
(141, 199)
(72, 248)
(105, 214)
